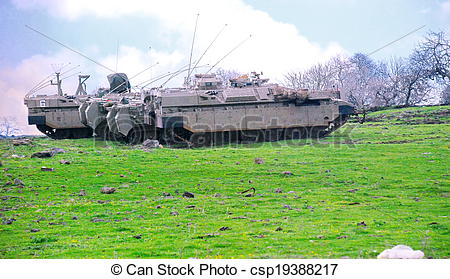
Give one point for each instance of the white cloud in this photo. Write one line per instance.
(274, 48)
(445, 7)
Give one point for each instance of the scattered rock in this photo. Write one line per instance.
(287, 206)
(97, 220)
(237, 163)
(149, 143)
(353, 190)
(139, 236)
(173, 213)
(401, 252)
(82, 193)
(165, 194)
(190, 206)
(18, 182)
(361, 224)
(217, 195)
(433, 223)
(342, 236)
(74, 218)
(107, 190)
(101, 202)
(287, 173)
(158, 206)
(278, 229)
(188, 195)
(35, 230)
(224, 229)
(260, 236)
(46, 169)
(375, 235)
(47, 153)
(8, 221)
(18, 142)
(259, 161)
(320, 236)
(17, 156)
(417, 199)
(353, 203)
(64, 162)
(278, 190)
(122, 175)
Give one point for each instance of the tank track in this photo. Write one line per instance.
(75, 133)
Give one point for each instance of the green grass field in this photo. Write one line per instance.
(392, 173)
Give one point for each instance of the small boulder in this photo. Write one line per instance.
(35, 230)
(18, 142)
(56, 150)
(224, 229)
(46, 169)
(82, 193)
(107, 190)
(149, 143)
(361, 224)
(64, 162)
(259, 161)
(18, 182)
(173, 213)
(188, 195)
(48, 153)
(287, 173)
(43, 154)
(401, 252)
(278, 190)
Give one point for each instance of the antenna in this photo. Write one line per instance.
(117, 54)
(69, 48)
(39, 84)
(192, 48)
(218, 34)
(238, 45)
(177, 73)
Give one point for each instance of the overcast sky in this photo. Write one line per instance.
(287, 35)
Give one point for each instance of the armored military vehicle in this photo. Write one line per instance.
(212, 111)
(56, 114)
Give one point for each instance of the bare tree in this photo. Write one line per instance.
(8, 126)
(318, 77)
(433, 55)
(226, 75)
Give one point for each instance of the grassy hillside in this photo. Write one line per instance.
(363, 189)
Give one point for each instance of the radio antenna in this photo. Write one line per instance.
(117, 55)
(215, 38)
(192, 48)
(237, 46)
(69, 48)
